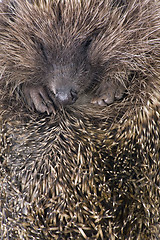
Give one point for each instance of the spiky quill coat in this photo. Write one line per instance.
(87, 172)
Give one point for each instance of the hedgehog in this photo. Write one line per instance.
(79, 103)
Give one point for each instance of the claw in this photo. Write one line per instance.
(37, 98)
(108, 93)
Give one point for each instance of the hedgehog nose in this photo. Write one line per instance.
(66, 96)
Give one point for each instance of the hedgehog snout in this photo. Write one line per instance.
(66, 96)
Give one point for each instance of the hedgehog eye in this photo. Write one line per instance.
(43, 50)
(87, 43)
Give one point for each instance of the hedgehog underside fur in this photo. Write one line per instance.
(87, 172)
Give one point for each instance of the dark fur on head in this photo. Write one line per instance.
(58, 51)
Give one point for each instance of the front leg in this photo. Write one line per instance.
(37, 98)
(108, 92)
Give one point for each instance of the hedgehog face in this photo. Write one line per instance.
(66, 73)
(70, 73)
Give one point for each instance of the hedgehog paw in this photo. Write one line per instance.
(38, 99)
(108, 93)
